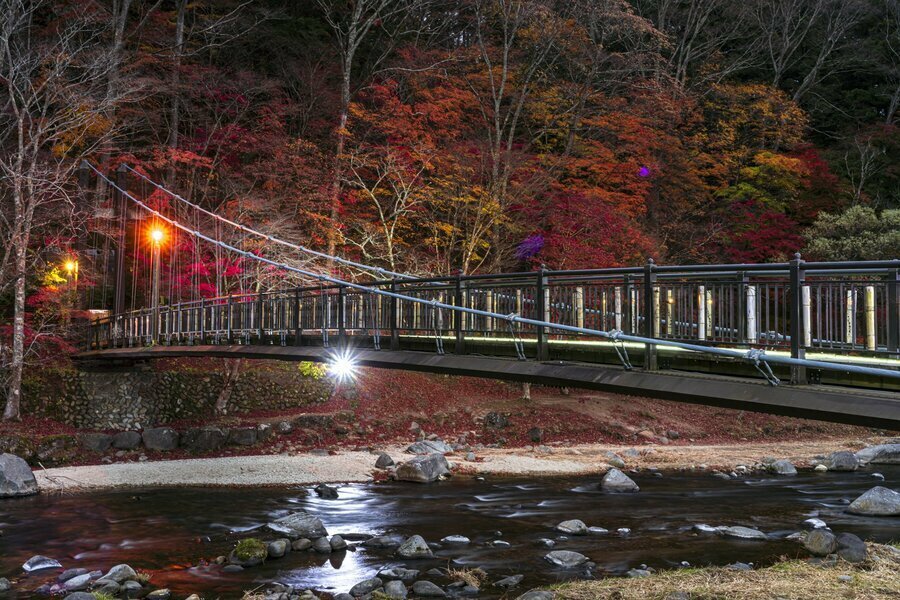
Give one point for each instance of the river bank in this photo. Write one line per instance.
(346, 466)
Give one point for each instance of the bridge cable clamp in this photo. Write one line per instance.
(437, 325)
(619, 345)
(511, 320)
(757, 358)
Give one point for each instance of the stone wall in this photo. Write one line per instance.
(139, 398)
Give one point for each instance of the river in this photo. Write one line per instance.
(172, 532)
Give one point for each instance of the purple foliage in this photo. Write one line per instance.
(530, 246)
(644, 172)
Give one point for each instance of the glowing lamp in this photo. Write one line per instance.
(70, 266)
(157, 235)
(342, 366)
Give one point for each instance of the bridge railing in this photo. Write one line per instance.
(797, 307)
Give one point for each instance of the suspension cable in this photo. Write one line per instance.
(737, 354)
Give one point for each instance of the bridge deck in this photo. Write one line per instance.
(868, 407)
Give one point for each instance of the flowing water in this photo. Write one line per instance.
(172, 532)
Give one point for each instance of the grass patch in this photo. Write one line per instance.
(250, 549)
(877, 579)
(474, 577)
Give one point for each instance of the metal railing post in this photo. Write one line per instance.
(543, 311)
(627, 305)
(395, 315)
(202, 321)
(579, 306)
(298, 323)
(261, 332)
(342, 315)
(798, 373)
(651, 310)
(459, 317)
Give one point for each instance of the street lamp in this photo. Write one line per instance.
(157, 236)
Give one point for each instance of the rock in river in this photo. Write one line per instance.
(509, 582)
(883, 454)
(395, 589)
(820, 542)
(16, 478)
(744, 533)
(573, 527)
(365, 587)
(617, 481)
(566, 558)
(783, 467)
(414, 547)
(39, 563)
(877, 502)
(423, 469)
(456, 539)
(326, 491)
(299, 525)
(842, 461)
(427, 589)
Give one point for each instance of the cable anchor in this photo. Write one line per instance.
(757, 358)
(619, 345)
(511, 320)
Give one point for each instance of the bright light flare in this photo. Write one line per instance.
(70, 266)
(343, 366)
(157, 235)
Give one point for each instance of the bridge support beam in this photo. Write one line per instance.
(798, 327)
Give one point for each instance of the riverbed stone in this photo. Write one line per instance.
(70, 573)
(426, 589)
(5, 585)
(119, 574)
(614, 460)
(160, 438)
(573, 527)
(298, 525)
(278, 548)
(423, 469)
(509, 582)
(783, 467)
(326, 491)
(415, 547)
(851, 548)
(820, 542)
(842, 461)
(77, 583)
(322, 545)
(537, 595)
(365, 587)
(337, 543)
(384, 461)
(39, 563)
(301, 544)
(743, 533)
(565, 558)
(617, 481)
(429, 447)
(384, 541)
(882, 454)
(395, 589)
(456, 539)
(132, 589)
(160, 594)
(877, 502)
(16, 478)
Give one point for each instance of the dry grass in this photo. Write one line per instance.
(473, 577)
(877, 579)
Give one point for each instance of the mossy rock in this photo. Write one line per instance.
(249, 552)
(57, 450)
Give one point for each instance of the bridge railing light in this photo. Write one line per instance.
(342, 366)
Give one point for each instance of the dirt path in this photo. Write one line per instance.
(350, 466)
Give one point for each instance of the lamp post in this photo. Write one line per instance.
(71, 269)
(157, 236)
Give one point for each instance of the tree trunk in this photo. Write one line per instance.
(338, 154)
(12, 411)
(232, 372)
(175, 114)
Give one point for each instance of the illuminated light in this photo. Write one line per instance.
(70, 266)
(644, 172)
(157, 235)
(342, 366)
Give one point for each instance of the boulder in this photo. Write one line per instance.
(820, 542)
(883, 454)
(495, 420)
(395, 589)
(743, 533)
(39, 563)
(160, 594)
(284, 427)
(56, 450)
(384, 461)
(278, 548)
(509, 582)
(242, 436)
(77, 583)
(423, 469)
(851, 548)
(783, 467)
(322, 546)
(614, 460)
(414, 547)
(877, 502)
(16, 478)
(617, 481)
(573, 527)
(119, 574)
(299, 525)
(364, 588)
(301, 544)
(426, 589)
(337, 543)
(18, 445)
(5, 585)
(70, 573)
(264, 432)
(326, 491)
(842, 461)
(95, 442)
(126, 440)
(536, 435)
(565, 559)
(429, 447)
(405, 575)
(203, 439)
(160, 438)
(313, 421)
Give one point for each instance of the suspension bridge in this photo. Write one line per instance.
(171, 278)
